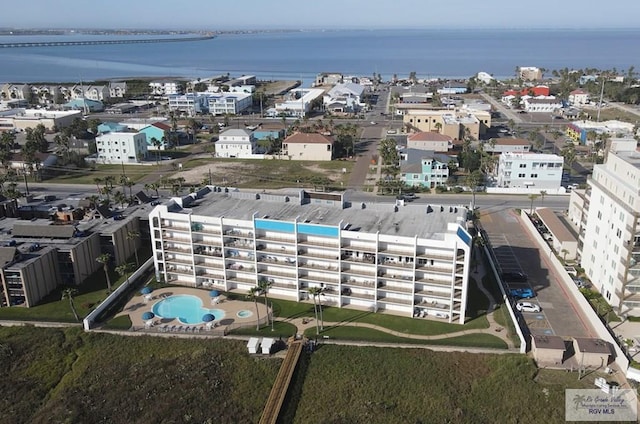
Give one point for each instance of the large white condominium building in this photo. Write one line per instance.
(608, 215)
(408, 260)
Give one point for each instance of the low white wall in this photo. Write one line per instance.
(505, 299)
(516, 190)
(584, 305)
(90, 319)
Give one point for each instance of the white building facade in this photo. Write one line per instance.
(189, 103)
(229, 103)
(530, 170)
(317, 241)
(236, 143)
(121, 147)
(609, 241)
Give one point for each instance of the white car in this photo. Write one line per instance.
(527, 307)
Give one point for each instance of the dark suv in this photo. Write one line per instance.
(514, 277)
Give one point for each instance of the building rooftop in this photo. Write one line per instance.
(592, 346)
(308, 138)
(410, 220)
(555, 226)
(531, 156)
(511, 142)
(632, 158)
(429, 136)
(548, 342)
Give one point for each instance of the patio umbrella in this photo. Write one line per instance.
(214, 293)
(146, 290)
(148, 315)
(208, 317)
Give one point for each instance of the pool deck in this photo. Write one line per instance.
(140, 304)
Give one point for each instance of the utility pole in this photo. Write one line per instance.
(601, 95)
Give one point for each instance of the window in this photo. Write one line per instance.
(521, 175)
(523, 165)
(534, 175)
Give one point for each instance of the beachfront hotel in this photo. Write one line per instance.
(404, 259)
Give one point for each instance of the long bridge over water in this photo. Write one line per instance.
(101, 42)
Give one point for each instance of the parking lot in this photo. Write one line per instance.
(515, 251)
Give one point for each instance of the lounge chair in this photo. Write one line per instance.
(164, 328)
(174, 328)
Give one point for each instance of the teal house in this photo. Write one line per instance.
(269, 130)
(157, 131)
(107, 127)
(84, 104)
(420, 168)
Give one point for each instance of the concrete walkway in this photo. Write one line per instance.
(303, 324)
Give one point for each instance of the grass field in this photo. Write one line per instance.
(67, 376)
(267, 173)
(375, 385)
(87, 175)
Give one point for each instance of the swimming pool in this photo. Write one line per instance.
(186, 308)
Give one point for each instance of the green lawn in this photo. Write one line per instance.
(477, 305)
(371, 335)
(280, 329)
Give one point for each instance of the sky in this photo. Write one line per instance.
(323, 14)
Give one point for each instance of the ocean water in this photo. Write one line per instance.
(301, 55)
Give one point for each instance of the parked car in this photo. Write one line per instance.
(528, 307)
(580, 283)
(514, 277)
(521, 293)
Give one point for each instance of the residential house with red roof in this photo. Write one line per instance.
(430, 140)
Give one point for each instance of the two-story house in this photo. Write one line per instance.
(308, 146)
(419, 168)
(236, 143)
(529, 170)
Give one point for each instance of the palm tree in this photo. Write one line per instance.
(104, 259)
(264, 285)
(124, 269)
(542, 194)
(532, 197)
(155, 187)
(315, 292)
(70, 293)
(253, 294)
(133, 235)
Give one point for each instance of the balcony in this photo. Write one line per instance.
(182, 229)
(272, 273)
(235, 233)
(389, 263)
(175, 239)
(366, 272)
(357, 295)
(176, 249)
(287, 240)
(305, 253)
(327, 244)
(365, 284)
(395, 300)
(289, 262)
(319, 278)
(395, 277)
(209, 242)
(204, 230)
(431, 280)
(171, 259)
(440, 256)
(367, 258)
(241, 279)
(282, 285)
(182, 270)
(396, 251)
(433, 294)
(435, 269)
(394, 288)
(324, 267)
(201, 250)
(360, 248)
(278, 250)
